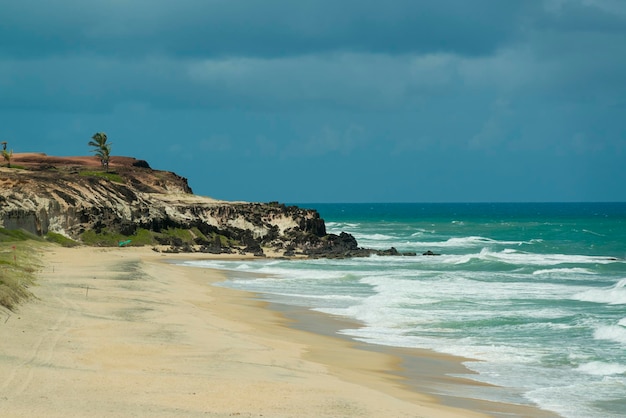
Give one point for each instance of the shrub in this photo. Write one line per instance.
(7, 235)
(114, 177)
(60, 239)
(16, 274)
(102, 239)
(106, 238)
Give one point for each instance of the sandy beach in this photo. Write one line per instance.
(121, 332)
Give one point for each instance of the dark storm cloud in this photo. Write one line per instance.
(72, 55)
(255, 54)
(257, 28)
(91, 83)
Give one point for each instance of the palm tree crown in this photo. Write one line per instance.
(102, 149)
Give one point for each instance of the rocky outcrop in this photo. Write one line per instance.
(70, 196)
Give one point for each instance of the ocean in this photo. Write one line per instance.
(534, 293)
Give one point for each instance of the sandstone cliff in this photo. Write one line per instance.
(73, 196)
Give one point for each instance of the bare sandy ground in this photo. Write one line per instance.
(38, 158)
(121, 333)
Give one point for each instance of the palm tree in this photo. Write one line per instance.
(102, 149)
(7, 155)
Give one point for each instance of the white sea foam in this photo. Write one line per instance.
(378, 315)
(465, 286)
(511, 256)
(562, 271)
(614, 333)
(502, 355)
(550, 259)
(303, 274)
(464, 242)
(374, 237)
(341, 224)
(622, 322)
(338, 227)
(572, 400)
(320, 297)
(599, 368)
(615, 295)
(243, 267)
(593, 233)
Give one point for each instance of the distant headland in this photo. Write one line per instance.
(79, 200)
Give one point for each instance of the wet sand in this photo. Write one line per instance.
(442, 376)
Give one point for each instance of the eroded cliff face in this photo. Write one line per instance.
(69, 197)
(73, 196)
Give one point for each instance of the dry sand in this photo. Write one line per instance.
(120, 333)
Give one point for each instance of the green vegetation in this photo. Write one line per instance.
(102, 148)
(60, 239)
(170, 236)
(106, 238)
(7, 155)
(18, 264)
(114, 177)
(184, 235)
(224, 241)
(142, 237)
(10, 235)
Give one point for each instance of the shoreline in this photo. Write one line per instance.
(437, 375)
(123, 332)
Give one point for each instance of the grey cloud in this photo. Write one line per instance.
(583, 16)
(280, 54)
(215, 144)
(354, 81)
(554, 67)
(328, 140)
(495, 127)
(338, 80)
(88, 83)
(359, 81)
(259, 29)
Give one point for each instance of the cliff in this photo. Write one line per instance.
(76, 198)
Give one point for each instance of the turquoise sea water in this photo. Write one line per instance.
(536, 293)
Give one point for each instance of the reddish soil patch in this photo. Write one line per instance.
(40, 159)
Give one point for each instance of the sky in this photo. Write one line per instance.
(330, 100)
